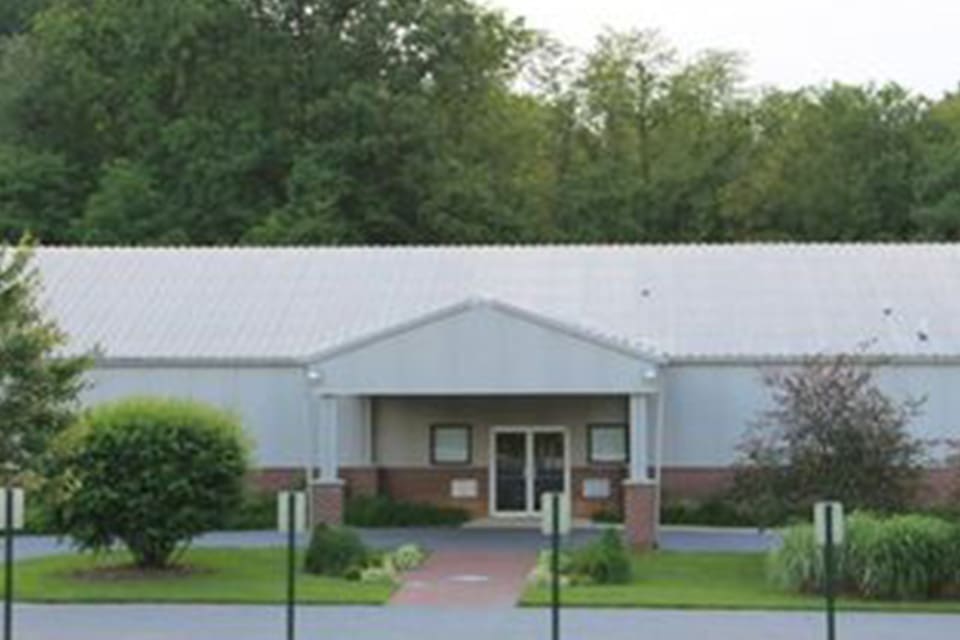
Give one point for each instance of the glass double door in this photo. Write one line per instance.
(528, 462)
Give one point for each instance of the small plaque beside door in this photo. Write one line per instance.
(596, 488)
(463, 488)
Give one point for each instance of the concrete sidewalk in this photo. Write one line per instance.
(172, 622)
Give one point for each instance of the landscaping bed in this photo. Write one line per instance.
(241, 576)
(684, 580)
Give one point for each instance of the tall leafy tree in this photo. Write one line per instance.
(410, 121)
(829, 164)
(936, 212)
(15, 15)
(659, 139)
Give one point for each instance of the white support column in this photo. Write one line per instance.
(368, 451)
(328, 453)
(639, 423)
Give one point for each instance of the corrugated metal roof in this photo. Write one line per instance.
(687, 301)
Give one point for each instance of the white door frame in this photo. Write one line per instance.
(529, 466)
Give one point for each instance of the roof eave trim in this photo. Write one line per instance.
(783, 358)
(133, 362)
(430, 317)
(688, 360)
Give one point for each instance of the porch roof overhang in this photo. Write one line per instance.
(482, 346)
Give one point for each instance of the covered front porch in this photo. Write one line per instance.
(485, 406)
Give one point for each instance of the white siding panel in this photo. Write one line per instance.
(353, 436)
(269, 401)
(708, 408)
(939, 417)
(483, 350)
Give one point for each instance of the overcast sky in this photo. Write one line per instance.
(787, 42)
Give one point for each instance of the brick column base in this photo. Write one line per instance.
(639, 514)
(327, 503)
(361, 481)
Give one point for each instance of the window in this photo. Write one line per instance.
(607, 443)
(450, 444)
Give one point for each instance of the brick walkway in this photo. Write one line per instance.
(475, 579)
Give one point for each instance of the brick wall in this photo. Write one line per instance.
(274, 479)
(433, 485)
(941, 485)
(584, 507)
(695, 483)
(361, 481)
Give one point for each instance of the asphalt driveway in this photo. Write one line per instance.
(151, 622)
(442, 539)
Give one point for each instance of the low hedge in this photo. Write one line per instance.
(257, 510)
(335, 551)
(340, 553)
(603, 561)
(383, 511)
(906, 557)
(717, 511)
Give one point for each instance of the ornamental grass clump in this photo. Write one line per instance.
(906, 557)
(797, 565)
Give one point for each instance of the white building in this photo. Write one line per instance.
(481, 376)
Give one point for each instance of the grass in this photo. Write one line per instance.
(241, 576)
(711, 581)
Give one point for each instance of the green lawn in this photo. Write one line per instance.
(252, 576)
(709, 581)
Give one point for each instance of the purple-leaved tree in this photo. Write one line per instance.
(829, 432)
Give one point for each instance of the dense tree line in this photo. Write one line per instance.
(399, 121)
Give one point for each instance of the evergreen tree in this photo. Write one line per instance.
(39, 385)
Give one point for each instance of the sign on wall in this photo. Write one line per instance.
(596, 488)
(463, 488)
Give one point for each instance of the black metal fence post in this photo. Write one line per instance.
(291, 562)
(8, 564)
(555, 567)
(828, 572)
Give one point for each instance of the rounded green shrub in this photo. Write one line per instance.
(335, 551)
(150, 473)
(605, 561)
